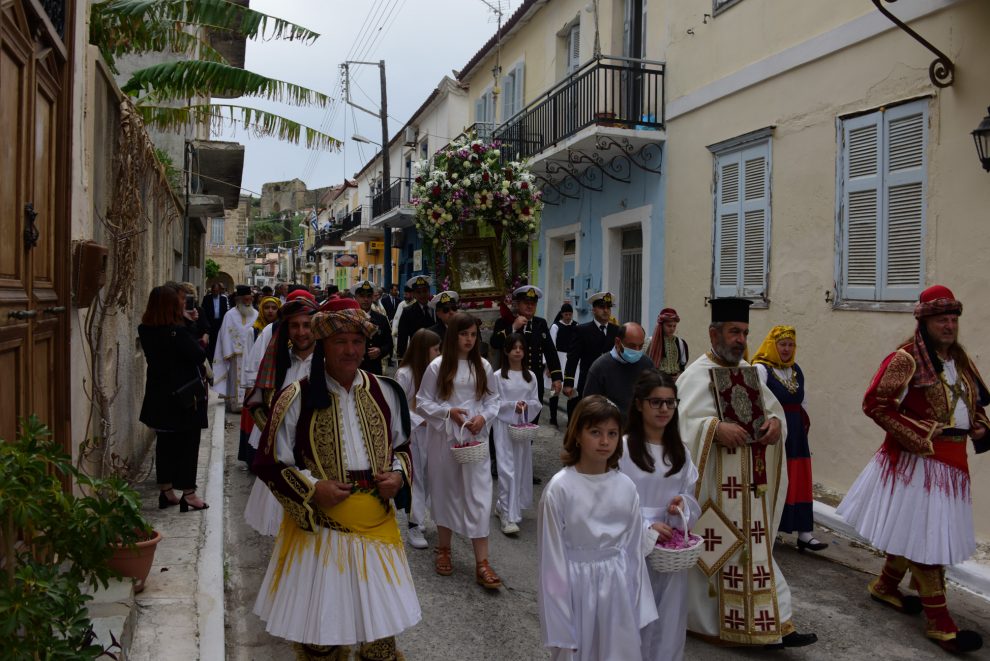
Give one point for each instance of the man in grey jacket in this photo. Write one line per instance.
(614, 374)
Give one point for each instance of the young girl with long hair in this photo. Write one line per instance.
(594, 592)
(459, 399)
(658, 463)
(423, 348)
(520, 402)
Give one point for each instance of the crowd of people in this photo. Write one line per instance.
(653, 448)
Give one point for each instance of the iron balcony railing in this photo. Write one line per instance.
(352, 220)
(608, 91)
(399, 193)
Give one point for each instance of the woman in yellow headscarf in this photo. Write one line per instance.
(267, 313)
(774, 361)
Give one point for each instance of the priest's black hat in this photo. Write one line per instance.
(730, 309)
(242, 290)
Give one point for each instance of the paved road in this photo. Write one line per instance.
(462, 621)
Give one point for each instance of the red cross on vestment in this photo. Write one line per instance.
(735, 620)
(761, 576)
(758, 532)
(732, 487)
(733, 577)
(711, 539)
(765, 621)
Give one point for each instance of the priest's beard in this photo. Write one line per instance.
(728, 353)
(244, 309)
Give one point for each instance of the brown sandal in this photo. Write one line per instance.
(442, 561)
(486, 576)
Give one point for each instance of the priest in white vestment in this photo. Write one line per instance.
(233, 345)
(737, 593)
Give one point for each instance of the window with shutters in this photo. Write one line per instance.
(216, 231)
(573, 48)
(512, 92)
(484, 113)
(721, 5)
(881, 215)
(742, 221)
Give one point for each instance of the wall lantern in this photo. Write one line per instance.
(981, 136)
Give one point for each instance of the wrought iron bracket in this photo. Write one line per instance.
(941, 70)
(30, 229)
(648, 158)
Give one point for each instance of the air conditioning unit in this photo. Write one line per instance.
(411, 136)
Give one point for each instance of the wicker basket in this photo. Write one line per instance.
(665, 561)
(523, 431)
(469, 454)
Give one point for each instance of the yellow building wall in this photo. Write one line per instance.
(839, 350)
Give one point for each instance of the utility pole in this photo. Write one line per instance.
(382, 114)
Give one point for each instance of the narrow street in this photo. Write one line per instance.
(462, 621)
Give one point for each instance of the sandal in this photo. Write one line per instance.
(442, 561)
(486, 576)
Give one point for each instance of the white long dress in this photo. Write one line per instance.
(263, 512)
(418, 448)
(515, 460)
(663, 639)
(330, 587)
(460, 494)
(234, 341)
(594, 591)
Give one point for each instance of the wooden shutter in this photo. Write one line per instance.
(479, 110)
(742, 222)
(574, 48)
(861, 206)
(904, 202)
(727, 231)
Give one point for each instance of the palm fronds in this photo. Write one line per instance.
(183, 79)
(260, 122)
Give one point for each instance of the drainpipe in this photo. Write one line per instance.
(186, 163)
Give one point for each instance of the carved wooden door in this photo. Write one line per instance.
(34, 219)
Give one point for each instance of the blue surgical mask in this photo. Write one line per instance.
(631, 355)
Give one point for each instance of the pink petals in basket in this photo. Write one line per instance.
(679, 541)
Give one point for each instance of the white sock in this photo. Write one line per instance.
(805, 537)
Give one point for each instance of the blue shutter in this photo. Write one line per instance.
(861, 206)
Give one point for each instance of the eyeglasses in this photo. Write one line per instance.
(660, 402)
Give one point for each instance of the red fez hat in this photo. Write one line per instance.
(936, 292)
(300, 293)
(338, 303)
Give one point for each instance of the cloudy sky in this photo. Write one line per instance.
(420, 41)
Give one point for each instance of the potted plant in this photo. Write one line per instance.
(55, 543)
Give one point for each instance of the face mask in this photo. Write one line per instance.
(631, 355)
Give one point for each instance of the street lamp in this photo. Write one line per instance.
(981, 136)
(367, 141)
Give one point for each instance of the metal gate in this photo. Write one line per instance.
(631, 276)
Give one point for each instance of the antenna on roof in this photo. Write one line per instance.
(498, 8)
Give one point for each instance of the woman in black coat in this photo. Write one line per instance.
(175, 396)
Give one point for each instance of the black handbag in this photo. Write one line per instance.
(189, 394)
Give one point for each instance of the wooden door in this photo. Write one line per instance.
(34, 219)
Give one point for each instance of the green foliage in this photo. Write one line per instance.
(127, 27)
(123, 27)
(212, 269)
(172, 173)
(66, 545)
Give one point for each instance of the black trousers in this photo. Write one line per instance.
(177, 457)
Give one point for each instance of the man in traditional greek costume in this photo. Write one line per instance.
(737, 593)
(233, 345)
(335, 454)
(913, 499)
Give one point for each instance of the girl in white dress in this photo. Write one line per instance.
(656, 460)
(423, 348)
(594, 593)
(458, 392)
(520, 401)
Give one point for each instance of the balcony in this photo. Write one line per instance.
(329, 240)
(392, 206)
(606, 118)
(358, 227)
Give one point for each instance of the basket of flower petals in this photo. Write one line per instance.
(468, 450)
(679, 552)
(523, 431)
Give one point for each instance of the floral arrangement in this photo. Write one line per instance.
(468, 181)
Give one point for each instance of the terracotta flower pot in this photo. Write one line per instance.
(135, 562)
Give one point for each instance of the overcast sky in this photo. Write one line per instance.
(420, 41)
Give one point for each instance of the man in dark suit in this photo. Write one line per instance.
(379, 346)
(215, 306)
(537, 333)
(444, 307)
(390, 301)
(591, 340)
(418, 314)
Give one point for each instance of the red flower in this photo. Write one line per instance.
(524, 185)
(436, 191)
